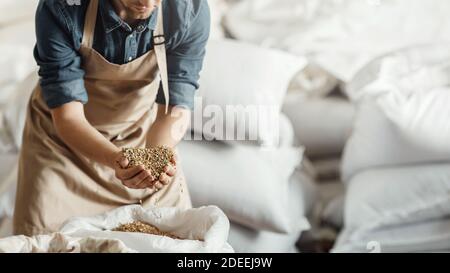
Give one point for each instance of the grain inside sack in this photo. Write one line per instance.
(153, 159)
(141, 227)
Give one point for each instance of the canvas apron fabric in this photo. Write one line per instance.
(56, 182)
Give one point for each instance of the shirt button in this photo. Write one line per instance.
(130, 58)
(131, 36)
(140, 28)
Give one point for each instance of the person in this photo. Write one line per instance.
(113, 74)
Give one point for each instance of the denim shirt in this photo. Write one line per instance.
(59, 31)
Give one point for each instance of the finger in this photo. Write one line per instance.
(146, 183)
(164, 178)
(129, 172)
(170, 170)
(136, 180)
(154, 176)
(125, 174)
(174, 159)
(159, 185)
(123, 162)
(150, 175)
(129, 185)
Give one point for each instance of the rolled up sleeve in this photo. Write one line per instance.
(59, 93)
(61, 75)
(185, 59)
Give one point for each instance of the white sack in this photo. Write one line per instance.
(251, 184)
(246, 82)
(60, 243)
(383, 198)
(377, 142)
(430, 236)
(205, 229)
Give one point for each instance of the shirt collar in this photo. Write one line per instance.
(112, 21)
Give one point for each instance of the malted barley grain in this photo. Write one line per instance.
(142, 227)
(153, 159)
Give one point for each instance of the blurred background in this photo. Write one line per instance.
(360, 90)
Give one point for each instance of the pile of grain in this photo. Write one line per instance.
(153, 159)
(142, 227)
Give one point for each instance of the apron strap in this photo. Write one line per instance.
(159, 45)
(89, 24)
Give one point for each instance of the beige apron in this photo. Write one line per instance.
(55, 182)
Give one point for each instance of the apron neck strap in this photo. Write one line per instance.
(159, 45)
(89, 24)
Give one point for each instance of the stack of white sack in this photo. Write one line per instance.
(339, 36)
(321, 117)
(12, 116)
(397, 162)
(259, 190)
(402, 209)
(403, 115)
(16, 63)
(241, 155)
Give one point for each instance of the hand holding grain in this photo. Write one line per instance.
(133, 177)
(169, 172)
(160, 161)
